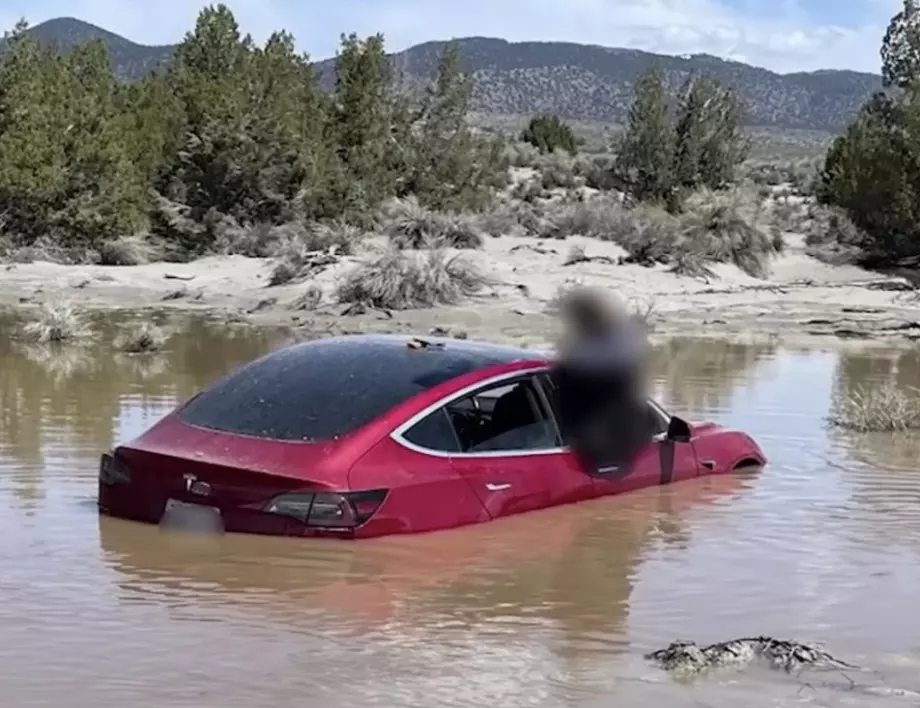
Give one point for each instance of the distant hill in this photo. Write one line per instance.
(130, 61)
(576, 81)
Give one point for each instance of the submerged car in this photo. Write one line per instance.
(369, 435)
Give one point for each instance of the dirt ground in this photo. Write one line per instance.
(802, 298)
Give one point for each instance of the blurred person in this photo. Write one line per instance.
(599, 380)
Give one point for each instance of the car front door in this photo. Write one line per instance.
(660, 461)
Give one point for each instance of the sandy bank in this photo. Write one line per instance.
(802, 296)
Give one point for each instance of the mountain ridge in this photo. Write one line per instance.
(576, 81)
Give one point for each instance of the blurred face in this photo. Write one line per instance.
(589, 312)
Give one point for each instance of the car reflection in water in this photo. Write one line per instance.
(572, 566)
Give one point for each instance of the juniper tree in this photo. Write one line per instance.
(645, 156)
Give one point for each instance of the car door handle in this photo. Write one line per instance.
(497, 487)
(708, 464)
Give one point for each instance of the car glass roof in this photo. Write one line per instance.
(323, 389)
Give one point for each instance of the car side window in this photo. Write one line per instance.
(656, 425)
(505, 417)
(434, 432)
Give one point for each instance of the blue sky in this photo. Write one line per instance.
(783, 35)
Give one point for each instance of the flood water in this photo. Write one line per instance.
(553, 608)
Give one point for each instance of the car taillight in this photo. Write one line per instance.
(113, 471)
(328, 509)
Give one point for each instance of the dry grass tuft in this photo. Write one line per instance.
(130, 251)
(57, 322)
(304, 250)
(507, 219)
(310, 299)
(832, 237)
(649, 234)
(410, 225)
(401, 280)
(142, 338)
(728, 227)
(603, 217)
(876, 409)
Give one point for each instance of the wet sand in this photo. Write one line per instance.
(802, 297)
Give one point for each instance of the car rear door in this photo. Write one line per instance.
(508, 445)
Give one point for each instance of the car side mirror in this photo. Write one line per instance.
(678, 430)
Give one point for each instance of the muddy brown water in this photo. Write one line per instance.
(553, 608)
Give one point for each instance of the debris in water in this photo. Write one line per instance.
(686, 657)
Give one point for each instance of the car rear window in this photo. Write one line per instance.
(319, 391)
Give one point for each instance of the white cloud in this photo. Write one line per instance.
(781, 35)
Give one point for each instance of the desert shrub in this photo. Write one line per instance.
(797, 174)
(600, 217)
(410, 225)
(557, 171)
(728, 227)
(141, 338)
(832, 237)
(649, 234)
(396, 279)
(130, 251)
(57, 322)
(885, 408)
(302, 250)
(504, 219)
(521, 154)
(786, 213)
(549, 133)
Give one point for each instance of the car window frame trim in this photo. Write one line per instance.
(398, 433)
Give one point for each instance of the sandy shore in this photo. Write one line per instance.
(803, 297)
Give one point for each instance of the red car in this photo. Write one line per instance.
(370, 435)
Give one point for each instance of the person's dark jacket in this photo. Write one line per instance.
(602, 407)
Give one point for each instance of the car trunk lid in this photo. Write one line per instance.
(238, 476)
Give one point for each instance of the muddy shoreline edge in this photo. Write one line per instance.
(804, 300)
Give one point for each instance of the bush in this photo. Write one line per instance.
(303, 250)
(130, 251)
(885, 408)
(401, 280)
(832, 237)
(57, 323)
(728, 227)
(410, 225)
(602, 217)
(872, 172)
(649, 234)
(549, 133)
(143, 338)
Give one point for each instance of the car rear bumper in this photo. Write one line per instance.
(147, 506)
